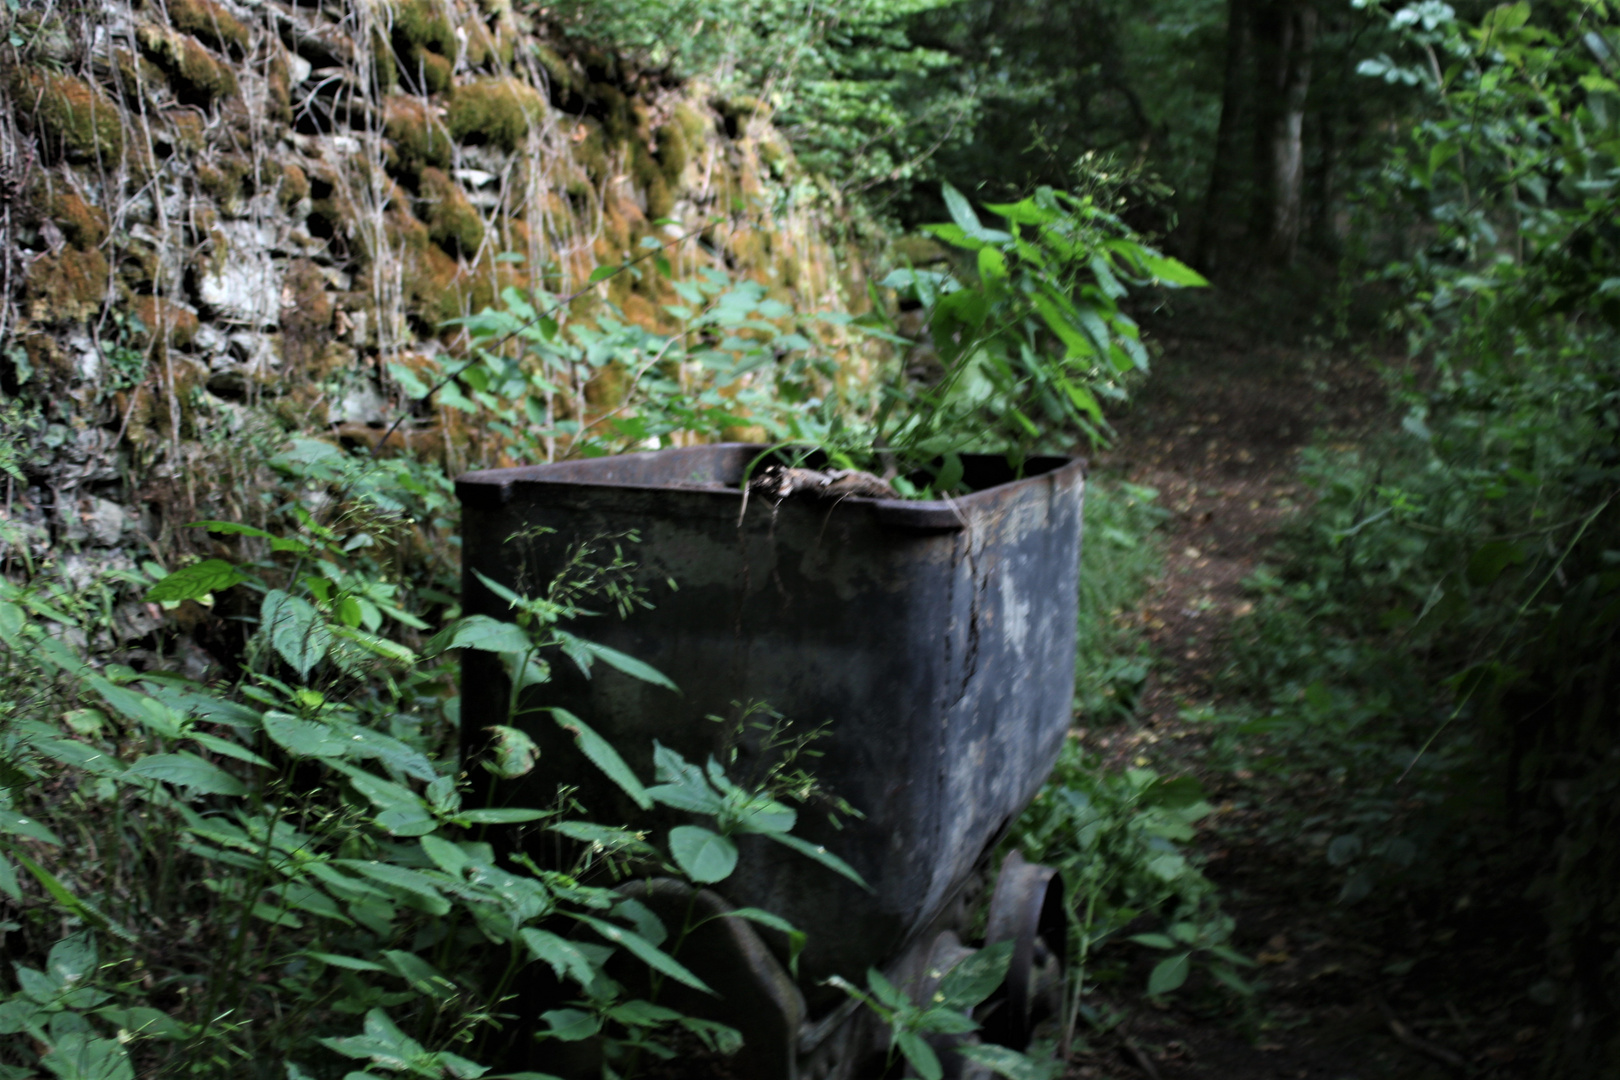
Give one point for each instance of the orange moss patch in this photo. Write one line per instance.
(306, 315)
(66, 287)
(71, 115)
(294, 184)
(85, 226)
(165, 322)
(210, 22)
(190, 129)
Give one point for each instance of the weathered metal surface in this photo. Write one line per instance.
(935, 641)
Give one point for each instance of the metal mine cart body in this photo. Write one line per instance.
(935, 642)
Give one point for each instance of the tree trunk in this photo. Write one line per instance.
(1284, 33)
(1225, 169)
(1322, 231)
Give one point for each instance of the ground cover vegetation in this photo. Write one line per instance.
(255, 857)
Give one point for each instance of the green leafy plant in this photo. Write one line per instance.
(1030, 341)
(1118, 840)
(352, 908)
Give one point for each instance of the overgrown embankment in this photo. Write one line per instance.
(228, 223)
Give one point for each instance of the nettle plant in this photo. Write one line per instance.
(279, 874)
(1029, 337)
(1118, 841)
(1027, 334)
(736, 360)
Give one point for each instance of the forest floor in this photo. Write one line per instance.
(1367, 992)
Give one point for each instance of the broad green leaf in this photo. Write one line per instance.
(227, 748)
(624, 662)
(511, 752)
(144, 709)
(22, 825)
(188, 771)
(684, 786)
(920, 1054)
(992, 266)
(603, 756)
(350, 963)
(602, 273)
(196, 581)
(73, 959)
(570, 1025)
(603, 837)
(81, 1056)
(60, 893)
(8, 878)
(412, 881)
(566, 958)
(640, 1013)
(143, 1021)
(1169, 974)
(705, 857)
(501, 815)
(303, 738)
(422, 976)
(960, 209)
(12, 620)
(231, 528)
(976, 977)
(1052, 313)
(480, 632)
(1173, 271)
(1154, 941)
(296, 630)
(644, 950)
(820, 855)
(796, 938)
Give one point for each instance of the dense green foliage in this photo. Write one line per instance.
(268, 866)
(1439, 639)
(276, 873)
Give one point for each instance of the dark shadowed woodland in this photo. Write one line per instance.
(1326, 293)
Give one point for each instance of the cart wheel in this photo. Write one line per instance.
(1026, 909)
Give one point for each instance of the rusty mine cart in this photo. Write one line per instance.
(935, 642)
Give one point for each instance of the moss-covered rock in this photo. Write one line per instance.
(306, 316)
(189, 129)
(495, 111)
(453, 223)
(167, 323)
(419, 137)
(197, 77)
(294, 184)
(563, 81)
(423, 24)
(70, 115)
(424, 41)
(209, 22)
(674, 151)
(83, 225)
(225, 180)
(66, 287)
(650, 179)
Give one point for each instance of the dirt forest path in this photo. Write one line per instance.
(1218, 434)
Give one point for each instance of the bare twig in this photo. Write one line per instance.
(1139, 1056)
(1405, 1036)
